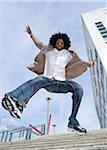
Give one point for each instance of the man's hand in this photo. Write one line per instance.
(93, 63)
(28, 30)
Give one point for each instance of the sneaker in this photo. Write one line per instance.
(12, 106)
(77, 128)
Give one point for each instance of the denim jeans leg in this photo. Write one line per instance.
(65, 87)
(24, 92)
(57, 86)
(77, 91)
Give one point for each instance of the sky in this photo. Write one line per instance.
(18, 50)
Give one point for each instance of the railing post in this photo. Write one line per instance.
(20, 133)
(30, 133)
(27, 132)
(10, 138)
(23, 133)
(6, 136)
(43, 129)
(3, 133)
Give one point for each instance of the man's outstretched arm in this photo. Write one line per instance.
(37, 42)
(88, 64)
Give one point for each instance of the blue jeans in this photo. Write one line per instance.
(23, 93)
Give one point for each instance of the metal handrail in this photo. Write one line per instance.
(23, 132)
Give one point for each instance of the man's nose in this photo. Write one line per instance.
(59, 44)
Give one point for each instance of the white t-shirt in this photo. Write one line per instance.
(56, 62)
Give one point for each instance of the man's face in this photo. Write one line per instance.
(59, 44)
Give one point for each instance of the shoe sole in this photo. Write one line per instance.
(9, 105)
(13, 114)
(4, 104)
(77, 131)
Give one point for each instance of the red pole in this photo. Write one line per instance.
(49, 122)
(34, 128)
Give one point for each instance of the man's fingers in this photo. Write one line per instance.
(28, 30)
(27, 26)
(93, 63)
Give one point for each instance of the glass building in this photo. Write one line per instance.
(95, 33)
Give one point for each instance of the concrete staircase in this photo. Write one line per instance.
(93, 140)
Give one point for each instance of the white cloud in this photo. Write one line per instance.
(2, 128)
(7, 123)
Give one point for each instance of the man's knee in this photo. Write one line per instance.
(76, 88)
(79, 90)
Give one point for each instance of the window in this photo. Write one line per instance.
(102, 29)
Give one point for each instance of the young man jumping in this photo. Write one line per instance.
(55, 65)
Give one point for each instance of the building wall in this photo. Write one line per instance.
(96, 44)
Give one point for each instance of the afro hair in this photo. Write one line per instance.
(57, 36)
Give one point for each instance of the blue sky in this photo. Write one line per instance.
(17, 51)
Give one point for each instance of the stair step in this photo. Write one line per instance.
(93, 140)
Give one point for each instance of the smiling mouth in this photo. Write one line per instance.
(59, 48)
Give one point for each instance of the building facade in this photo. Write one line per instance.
(95, 32)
